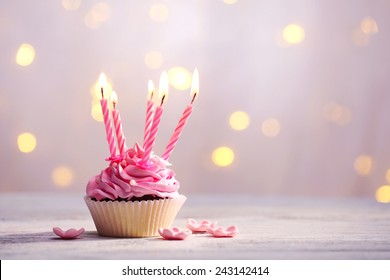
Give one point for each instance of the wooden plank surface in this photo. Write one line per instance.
(270, 228)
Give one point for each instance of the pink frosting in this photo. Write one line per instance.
(128, 177)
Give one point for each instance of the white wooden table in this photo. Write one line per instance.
(270, 228)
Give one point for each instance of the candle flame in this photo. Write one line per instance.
(150, 90)
(102, 82)
(195, 85)
(163, 87)
(114, 98)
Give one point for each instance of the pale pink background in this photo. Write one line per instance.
(241, 67)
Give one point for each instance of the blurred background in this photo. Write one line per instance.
(293, 94)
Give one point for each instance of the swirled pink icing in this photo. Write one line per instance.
(128, 177)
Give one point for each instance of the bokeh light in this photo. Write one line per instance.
(320, 86)
(293, 34)
(222, 156)
(100, 13)
(382, 194)
(159, 12)
(27, 142)
(360, 38)
(388, 175)
(270, 127)
(229, 2)
(363, 165)
(239, 120)
(71, 5)
(337, 113)
(62, 176)
(180, 78)
(369, 26)
(25, 55)
(96, 112)
(153, 59)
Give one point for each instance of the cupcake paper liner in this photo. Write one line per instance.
(134, 219)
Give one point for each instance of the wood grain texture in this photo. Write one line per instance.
(270, 228)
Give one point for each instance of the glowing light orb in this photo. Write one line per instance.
(363, 165)
(382, 194)
(222, 156)
(153, 59)
(388, 175)
(180, 78)
(62, 176)
(293, 34)
(71, 5)
(96, 112)
(159, 12)
(100, 13)
(337, 113)
(25, 55)
(270, 127)
(369, 26)
(230, 2)
(239, 120)
(27, 142)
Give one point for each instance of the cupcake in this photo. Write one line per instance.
(132, 199)
(137, 194)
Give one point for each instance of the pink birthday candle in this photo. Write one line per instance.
(183, 120)
(149, 111)
(163, 93)
(118, 124)
(106, 116)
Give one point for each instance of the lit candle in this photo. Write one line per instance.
(163, 93)
(106, 115)
(183, 120)
(118, 124)
(149, 111)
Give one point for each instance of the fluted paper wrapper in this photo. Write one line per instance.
(134, 219)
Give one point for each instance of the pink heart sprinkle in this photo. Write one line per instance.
(200, 227)
(221, 232)
(174, 233)
(69, 234)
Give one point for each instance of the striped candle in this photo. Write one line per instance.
(107, 124)
(106, 116)
(163, 93)
(176, 134)
(149, 111)
(183, 120)
(152, 135)
(118, 124)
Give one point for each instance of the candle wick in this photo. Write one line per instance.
(162, 100)
(151, 95)
(101, 90)
(193, 98)
(114, 105)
